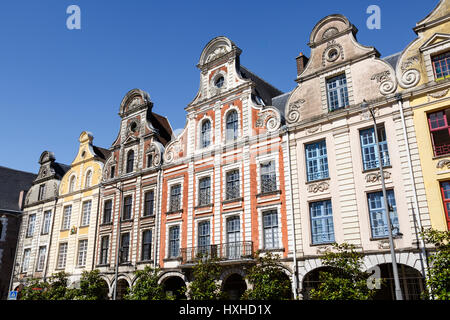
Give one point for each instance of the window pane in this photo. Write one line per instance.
(369, 148)
(322, 227)
(316, 161)
(337, 92)
(232, 187)
(268, 177)
(378, 220)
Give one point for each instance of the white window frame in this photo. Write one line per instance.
(170, 183)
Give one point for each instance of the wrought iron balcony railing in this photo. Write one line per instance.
(225, 251)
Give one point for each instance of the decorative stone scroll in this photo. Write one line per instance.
(376, 177)
(294, 110)
(318, 187)
(387, 85)
(442, 163)
(268, 118)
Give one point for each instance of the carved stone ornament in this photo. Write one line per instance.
(218, 52)
(383, 244)
(318, 187)
(387, 85)
(324, 249)
(269, 119)
(438, 94)
(376, 177)
(410, 77)
(171, 151)
(330, 32)
(314, 129)
(333, 51)
(365, 115)
(442, 163)
(409, 63)
(294, 110)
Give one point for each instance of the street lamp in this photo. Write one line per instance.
(398, 290)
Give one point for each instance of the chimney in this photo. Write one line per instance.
(301, 63)
(21, 201)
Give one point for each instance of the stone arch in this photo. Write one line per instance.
(172, 283)
(233, 283)
(123, 281)
(410, 259)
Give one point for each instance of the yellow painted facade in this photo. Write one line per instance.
(426, 93)
(78, 188)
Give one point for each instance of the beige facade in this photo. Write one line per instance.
(324, 111)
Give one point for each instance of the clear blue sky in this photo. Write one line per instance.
(56, 83)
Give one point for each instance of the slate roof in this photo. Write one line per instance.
(11, 183)
(263, 89)
(280, 101)
(102, 152)
(392, 59)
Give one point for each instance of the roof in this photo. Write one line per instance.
(11, 183)
(162, 124)
(263, 89)
(392, 59)
(280, 101)
(101, 152)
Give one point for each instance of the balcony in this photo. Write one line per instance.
(233, 251)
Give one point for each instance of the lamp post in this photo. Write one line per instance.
(398, 290)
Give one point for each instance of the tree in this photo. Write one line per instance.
(92, 287)
(268, 279)
(146, 286)
(57, 288)
(344, 280)
(205, 286)
(34, 289)
(438, 278)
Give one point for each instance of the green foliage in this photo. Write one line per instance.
(205, 286)
(54, 289)
(34, 289)
(92, 287)
(268, 279)
(344, 280)
(438, 278)
(146, 286)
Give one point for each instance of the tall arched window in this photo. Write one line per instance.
(206, 134)
(72, 184)
(130, 161)
(232, 126)
(88, 181)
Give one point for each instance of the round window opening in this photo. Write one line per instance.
(219, 82)
(133, 126)
(333, 54)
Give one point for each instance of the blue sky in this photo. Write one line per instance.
(56, 83)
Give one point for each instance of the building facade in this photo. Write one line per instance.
(336, 181)
(75, 222)
(35, 237)
(424, 70)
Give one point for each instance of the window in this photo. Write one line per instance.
(369, 148)
(205, 136)
(440, 131)
(270, 226)
(107, 209)
(445, 189)
(146, 245)
(219, 82)
(175, 198)
(104, 247)
(82, 252)
(174, 242)
(378, 220)
(86, 213)
(441, 66)
(233, 244)
(31, 224)
(41, 258)
(66, 217)
(232, 126)
(316, 161)
(62, 255)
(322, 227)
(72, 184)
(148, 203)
(88, 179)
(268, 177)
(26, 260)
(232, 185)
(204, 191)
(112, 172)
(124, 247)
(127, 205)
(149, 160)
(130, 161)
(204, 237)
(46, 222)
(41, 192)
(337, 92)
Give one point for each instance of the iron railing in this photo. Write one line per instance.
(225, 251)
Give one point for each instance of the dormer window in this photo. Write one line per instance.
(337, 92)
(206, 134)
(441, 66)
(88, 181)
(72, 184)
(130, 161)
